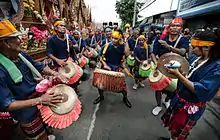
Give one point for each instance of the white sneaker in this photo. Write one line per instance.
(141, 84)
(135, 86)
(51, 137)
(167, 104)
(157, 110)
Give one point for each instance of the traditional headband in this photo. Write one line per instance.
(200, 43)
(116, 34)
(58, 23)
(141, 37)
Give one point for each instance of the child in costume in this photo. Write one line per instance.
(141, 53)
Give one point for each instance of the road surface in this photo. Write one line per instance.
(112, 120)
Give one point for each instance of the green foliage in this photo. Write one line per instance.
(27, 11)
(125, 10)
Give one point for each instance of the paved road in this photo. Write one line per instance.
(112, 120)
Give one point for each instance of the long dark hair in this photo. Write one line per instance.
(208, 35)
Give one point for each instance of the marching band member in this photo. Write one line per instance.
(127, 32)
(57, 44)
(81, 42)
(108, 35)
(57, 48)
(112, 60)
(170, 41)
(197, 88)
(99, 37)
(17, 84)
(132, 43)
(140, 54)
(91, 40)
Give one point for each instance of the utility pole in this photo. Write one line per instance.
(134, 16)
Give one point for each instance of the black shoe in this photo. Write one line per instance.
(98, 100)
(163, 138)
(127, 102)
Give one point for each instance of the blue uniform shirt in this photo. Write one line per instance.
(21, 91)
(131, 43)
(114, 55)
(58, 47)
(206, 82)
(90, 41)
(140, 52)
(83, 43)
(159, 49)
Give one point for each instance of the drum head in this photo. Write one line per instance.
(68, 70)
(131, 57)
(155, 76)
(69, 102)
(107, 72)
(166, 58)
(145, 65)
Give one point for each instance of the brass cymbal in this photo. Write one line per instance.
(166, 58)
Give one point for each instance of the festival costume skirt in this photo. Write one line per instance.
(35, 129)
(179, 119)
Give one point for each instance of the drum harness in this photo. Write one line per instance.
(102, 59)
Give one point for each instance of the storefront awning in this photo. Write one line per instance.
(187, 9)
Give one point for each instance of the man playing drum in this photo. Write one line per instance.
(132, 43)
(18, 86)
(57, 48)
(108, 35)
(170, 41)
(80, 41)
(111, 60)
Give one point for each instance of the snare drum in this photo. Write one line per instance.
(92, 53)
(172, 86)
(130, 60)
(108, 80)
(83, 61)
(158, 81)
(72, 71)
(145, 69)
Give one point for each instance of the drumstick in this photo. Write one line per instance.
(126, 69)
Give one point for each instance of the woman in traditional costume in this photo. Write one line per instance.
(197, 88)
(140, 54)
(18, 86)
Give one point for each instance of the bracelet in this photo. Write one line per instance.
(55, 73)
(39, 101)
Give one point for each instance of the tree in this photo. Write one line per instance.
(125, 10)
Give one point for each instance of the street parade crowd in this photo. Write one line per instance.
(183, 66)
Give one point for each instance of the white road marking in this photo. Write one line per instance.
(92, 125)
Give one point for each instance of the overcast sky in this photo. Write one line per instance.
(103, 10)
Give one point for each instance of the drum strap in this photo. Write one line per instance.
(105, 50)
(178, 40)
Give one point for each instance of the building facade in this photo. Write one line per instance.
(200, 13)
